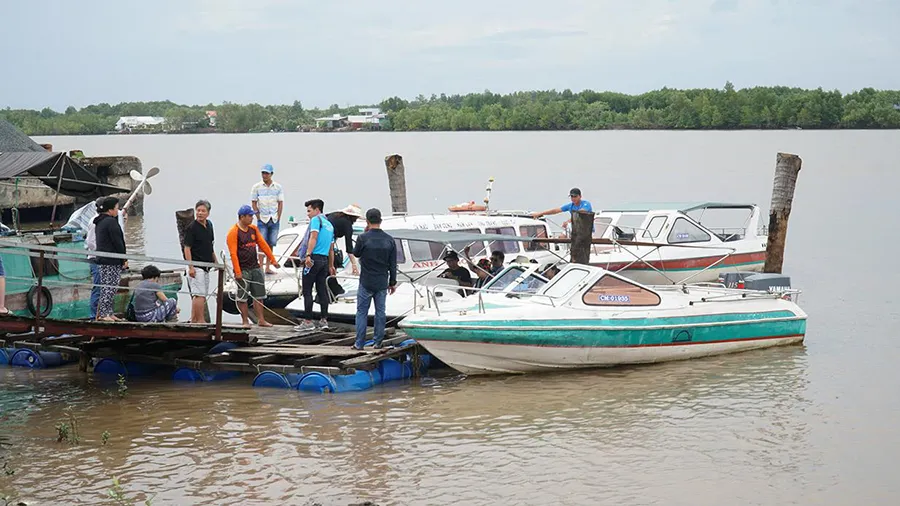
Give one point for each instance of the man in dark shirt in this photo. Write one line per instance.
(377, 253)
(198, 247)
(456, 271)
(343, 221)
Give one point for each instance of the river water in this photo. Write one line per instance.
(810, 424)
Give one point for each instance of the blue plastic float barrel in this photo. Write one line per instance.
(322, 383)
(272, 379)
(38, 360)
(194, 375)
(392, 370)
(113, 367)
(5, 355)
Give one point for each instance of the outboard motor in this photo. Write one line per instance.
(767, 282)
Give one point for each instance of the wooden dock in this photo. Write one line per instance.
(280, 349)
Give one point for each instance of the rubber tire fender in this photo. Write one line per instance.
(31, 301)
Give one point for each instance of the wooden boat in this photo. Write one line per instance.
(590, 317)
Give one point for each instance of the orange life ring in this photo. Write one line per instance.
(467, 206)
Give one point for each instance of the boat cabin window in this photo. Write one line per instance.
(613, 291)
(530, 284)
(683, 231)
(564, 282)
(533, 231)
(504, 246)
(600, 226)
(401, 256)
(423, 251)
(654, 227)
(477, 246)
(628, 226)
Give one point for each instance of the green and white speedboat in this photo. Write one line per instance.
(590, 317)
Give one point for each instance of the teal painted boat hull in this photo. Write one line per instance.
(504, 346)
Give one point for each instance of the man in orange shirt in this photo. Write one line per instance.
(243, 240)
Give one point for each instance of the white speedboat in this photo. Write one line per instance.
(411, 298)
(590, 317)
(662, 243)
(418, 256)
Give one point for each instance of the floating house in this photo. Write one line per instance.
(368, 117)
(129, 123)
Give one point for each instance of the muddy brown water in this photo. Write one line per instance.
(810, 424)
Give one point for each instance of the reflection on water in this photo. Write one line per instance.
(605, 435)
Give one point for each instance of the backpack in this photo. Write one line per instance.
(304, 244)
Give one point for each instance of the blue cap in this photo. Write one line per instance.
(268, 168)
(245, 210)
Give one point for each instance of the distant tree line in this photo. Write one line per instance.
(750, 108)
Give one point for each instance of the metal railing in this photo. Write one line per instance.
(43, 253)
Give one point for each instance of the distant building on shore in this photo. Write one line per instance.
(129, 123)
(368, 117)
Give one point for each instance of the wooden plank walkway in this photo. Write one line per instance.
(279, 348)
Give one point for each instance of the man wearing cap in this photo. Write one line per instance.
(577, 204)
(343, 221)
(267, 199)
(243, 240)
(377, 253)
(456, 271)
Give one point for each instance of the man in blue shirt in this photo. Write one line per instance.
(577, 204)
(318, 262)
(377, 254)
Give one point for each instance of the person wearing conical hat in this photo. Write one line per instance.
(343, 221)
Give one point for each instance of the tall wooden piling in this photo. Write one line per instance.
(396, 182)
(787, 168)
(582, 228)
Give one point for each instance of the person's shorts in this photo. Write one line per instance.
(2, 270)
(199, 284)
(251, 284)
(269, 231)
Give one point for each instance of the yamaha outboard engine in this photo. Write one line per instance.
(756, 281)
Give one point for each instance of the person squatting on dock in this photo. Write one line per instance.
(318, 260)
(267, 199)
(198, 246)
(243, 240)
(150, 303)
(110, 239)
(377, 252)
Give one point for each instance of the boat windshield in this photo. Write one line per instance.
(283, 243)
(530, 284)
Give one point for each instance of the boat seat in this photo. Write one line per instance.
(622, 235)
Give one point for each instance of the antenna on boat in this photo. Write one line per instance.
(487, 196)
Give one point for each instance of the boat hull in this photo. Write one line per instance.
(533, 346)
(475, 358)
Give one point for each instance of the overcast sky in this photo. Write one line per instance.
(61, 52)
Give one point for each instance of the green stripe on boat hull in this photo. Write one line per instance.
(582, 337)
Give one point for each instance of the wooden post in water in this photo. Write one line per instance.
(787, 168)
(582, 230)
(396, 182)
